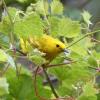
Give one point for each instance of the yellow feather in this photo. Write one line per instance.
(46, 44)
(49, 45)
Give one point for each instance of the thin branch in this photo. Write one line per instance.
(58, 65)
(17, 71)
(83, 38)
(92, 68)
(35, 85)
(24, 54)
(96, 69)
(5, 69)
(11, 21)
(95, 40)
(50, 83)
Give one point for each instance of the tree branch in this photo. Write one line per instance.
(58, 65)
(83, 38)
(50, 83)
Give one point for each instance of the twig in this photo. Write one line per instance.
(50, 83)
(24, 54)
(11, 21)
(17, 71)
(92, 68)
(58, 65)
(83, 38)
(97, 69)
(6, 67)
(35, 86)
(95, 40)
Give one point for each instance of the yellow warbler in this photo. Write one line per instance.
(48, 45)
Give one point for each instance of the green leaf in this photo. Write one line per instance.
(89, 92)
(64, 27)
(37, 57)
(3, 56)
(79, 49)
(41, 7)
(29, 25)
(65, 89)
(10, 60)
(54, 22)
(59, 59)
(5, 24)
(86, 17)
(69, 28)
(82, 46)
(92, 61)
(22, 87)
(98, 96)
(70, 75)
(88, 97)
(96, 55)
(3, 86)
(56, 7)
(13, 13)
(6, 58)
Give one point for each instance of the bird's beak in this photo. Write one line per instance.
(66, 51)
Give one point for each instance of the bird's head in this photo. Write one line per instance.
(60, 46)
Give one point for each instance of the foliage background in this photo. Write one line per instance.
(68, 21)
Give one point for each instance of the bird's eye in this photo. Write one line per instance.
(57, 45)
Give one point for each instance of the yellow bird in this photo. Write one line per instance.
(48, 45)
